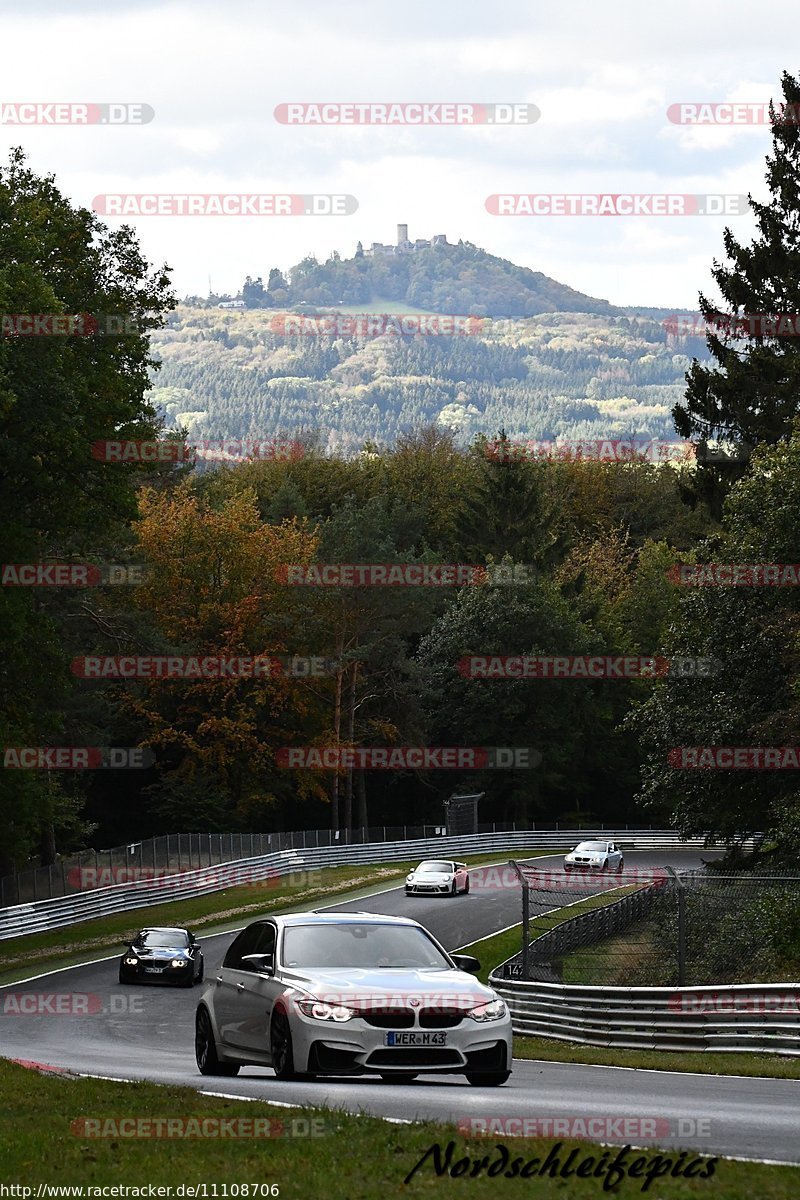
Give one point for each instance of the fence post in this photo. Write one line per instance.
(681, 935)
(526, 937)
(681, 926)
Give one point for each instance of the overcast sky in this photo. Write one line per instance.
(603, 77)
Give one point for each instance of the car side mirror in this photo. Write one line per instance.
(264, 964)
(465, 962)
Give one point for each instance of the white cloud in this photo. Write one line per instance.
(602, 77)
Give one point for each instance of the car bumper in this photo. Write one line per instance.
(355, 1048)
(428, 889)
(143, 974)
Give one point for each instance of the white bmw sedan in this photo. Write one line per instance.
(438, 877)
(350, 994)
(595, 856)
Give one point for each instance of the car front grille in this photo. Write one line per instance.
(436, 1018)
(420, 1056)
(404, 1018)
(400, 1019)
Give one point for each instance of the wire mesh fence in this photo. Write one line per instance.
(657, 928)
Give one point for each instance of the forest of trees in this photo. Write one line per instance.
(599, 542)
(566, 375)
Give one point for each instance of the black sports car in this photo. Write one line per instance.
(162, 956)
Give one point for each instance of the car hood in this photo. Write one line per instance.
(390, 985)
(161, 952)
(432, 876)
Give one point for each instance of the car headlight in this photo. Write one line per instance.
(325, 1012)
(178, 962)
(131, 962)
(410, 878)
(492, 1010)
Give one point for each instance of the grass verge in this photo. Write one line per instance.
(351, 1158)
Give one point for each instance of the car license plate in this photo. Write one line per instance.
(415, 1039)
(153, 970)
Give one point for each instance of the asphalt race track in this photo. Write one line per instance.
(148, 1033)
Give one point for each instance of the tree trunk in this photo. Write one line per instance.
(337, 723)
(47, 845)
(351, 722)
(363, 819)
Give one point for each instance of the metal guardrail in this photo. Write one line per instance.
(755, 1017)
(99, 902)
(173, 853)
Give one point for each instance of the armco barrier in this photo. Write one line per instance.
(762, 1017)
(100, 902)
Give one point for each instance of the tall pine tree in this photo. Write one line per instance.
(752, 393)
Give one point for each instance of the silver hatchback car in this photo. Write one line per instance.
(350, 994)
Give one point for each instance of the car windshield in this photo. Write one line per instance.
(167, 938)
(364, 946)
(434, 868)
(592, 846)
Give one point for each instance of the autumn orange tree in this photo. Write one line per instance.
(213, 587)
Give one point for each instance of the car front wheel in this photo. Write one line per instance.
(205, 1048)
(280, 1047)
(494, 1080)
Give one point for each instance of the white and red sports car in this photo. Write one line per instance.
(438, 876)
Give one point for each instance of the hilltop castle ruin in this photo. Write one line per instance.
(404, 246)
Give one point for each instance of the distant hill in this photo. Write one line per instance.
(555, 375)
(443, 278)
